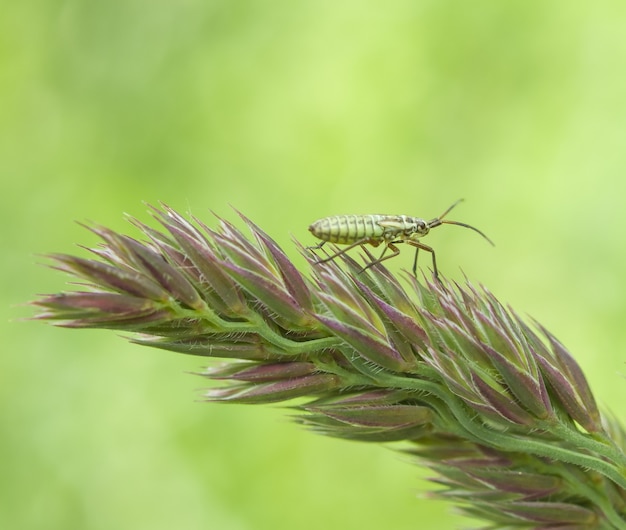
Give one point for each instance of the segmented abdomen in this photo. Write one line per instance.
(346, 229)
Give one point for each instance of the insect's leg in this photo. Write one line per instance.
(317, 247)
(343, 250)
(390, 246)
(381, 255)
(415, 262)
(419, 246)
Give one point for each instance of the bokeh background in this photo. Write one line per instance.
(289, 111)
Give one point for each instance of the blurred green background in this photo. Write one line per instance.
(289, 111)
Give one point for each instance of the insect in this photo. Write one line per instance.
(391, 230)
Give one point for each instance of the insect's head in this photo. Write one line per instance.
(437, 221)
(418, 229)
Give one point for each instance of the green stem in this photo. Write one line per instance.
(506, 442)
(256, 324)
(585, 441)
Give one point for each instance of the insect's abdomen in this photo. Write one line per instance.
(346, 229)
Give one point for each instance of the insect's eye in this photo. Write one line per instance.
(422, 228)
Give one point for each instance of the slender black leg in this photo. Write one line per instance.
(419, 246)
(318, 246)
(390, 246)
(415, 262)
(342, 251)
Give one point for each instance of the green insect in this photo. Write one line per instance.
(359, 230)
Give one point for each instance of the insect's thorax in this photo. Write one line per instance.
(402, 227)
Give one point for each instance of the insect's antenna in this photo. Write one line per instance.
(440, 221)
(466, 226)
(446, 212)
